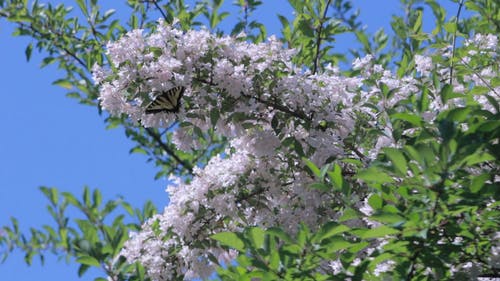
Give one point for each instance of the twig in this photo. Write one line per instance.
(318, 39)
(274, 105)
(455, 40)
(481, 78)
(159, 9)
(169, 151)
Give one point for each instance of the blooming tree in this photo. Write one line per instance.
(321, 173)
(274, 114)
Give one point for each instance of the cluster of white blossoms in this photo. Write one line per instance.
(273, 113)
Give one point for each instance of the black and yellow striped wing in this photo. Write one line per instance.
(167, 101)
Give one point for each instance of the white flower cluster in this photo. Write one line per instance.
(253, 95)
(244, 85)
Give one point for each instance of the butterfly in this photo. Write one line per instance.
(167, 101)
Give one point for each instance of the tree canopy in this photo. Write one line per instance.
(287, 160)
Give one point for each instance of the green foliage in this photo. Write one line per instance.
(92, 240)
(434, 202)
(445, 189)
(314, 29)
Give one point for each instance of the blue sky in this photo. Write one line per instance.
(51, 140)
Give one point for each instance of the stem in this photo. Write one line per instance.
(318, 39)
(169, 151)
(481, 78)
(53, 32)
(160, 9)
(245, 13)
(455, 40)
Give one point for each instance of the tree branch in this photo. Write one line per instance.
(43, 35)
(318, 39)
(169, 151)
(455, 41)
(297, 114)
(160, 9)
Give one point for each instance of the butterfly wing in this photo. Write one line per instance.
(167, 101)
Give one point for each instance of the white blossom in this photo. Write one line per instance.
(423, 64)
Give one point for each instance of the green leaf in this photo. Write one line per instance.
(348, 214)
(330, 229)
(446, 93)
(423, 100)
(319, 186)
(83, 6)
(257, 236)
(417, 26)
(450, 27)
(477, 158)
(214, 117)
(305, 27)
(363, 39)
(314, 169)
(378, 232)
(88, 260)
(51, 193)
(274, 260)
(477, 182)
(139, 269)
(47, 61)
(356, 247)
(479, 90)
(86, 197)
(397, 159)
(374, 175)
(375, 201)
(138, 150)
(28, 51)
(285, 29)
(489, 126)
(336, 243)
(71, 199)
(96, 198)
(411, 118)
(82, 269)
(278, 232)
(388, 218)
(129, 208)
(230, 239)
(459, 114)
(403, 65)
(302, 235)
(336, 177)
(63, 233)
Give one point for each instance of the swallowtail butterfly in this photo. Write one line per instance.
(167, 101)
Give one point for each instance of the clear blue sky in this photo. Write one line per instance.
(51, 140)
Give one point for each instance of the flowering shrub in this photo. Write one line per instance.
(387, 169)
(276, 114)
